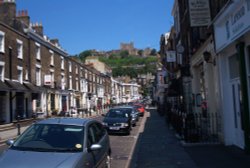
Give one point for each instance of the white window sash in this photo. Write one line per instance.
(19, 49)
(2, 42)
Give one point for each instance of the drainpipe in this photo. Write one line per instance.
(10, 77)
(243, 80)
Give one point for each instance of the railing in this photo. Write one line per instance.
(195, 127)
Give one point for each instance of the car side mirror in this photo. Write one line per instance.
(95, 147)
(10, 142)
(103, 115)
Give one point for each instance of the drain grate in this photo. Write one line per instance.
(120, 157)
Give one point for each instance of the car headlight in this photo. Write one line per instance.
(105, 124)
(124, 124)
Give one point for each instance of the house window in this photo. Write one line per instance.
(70, 67)
(81, 72)
(77, 84)
(234, 67)
(70, 82)
(52, 78)
(62, 63)
(1, 71)
(82, 85)
(76, 69)
(62, 82)
(20, 74)
(19, 49)
(2, 34)
(38, 76)
(26, 74)
(51, 57)
(86, 74)
(38, 51)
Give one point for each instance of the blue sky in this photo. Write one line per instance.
(101, 24)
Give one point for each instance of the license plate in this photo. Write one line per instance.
(114, 128)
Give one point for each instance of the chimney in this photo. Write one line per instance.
(38, 28)
(8, 11)
(24, 17)
(55, 42)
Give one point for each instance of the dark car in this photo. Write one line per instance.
(133, 112)
(60, 143)
(117, 121)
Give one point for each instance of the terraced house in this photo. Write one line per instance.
(36, 74)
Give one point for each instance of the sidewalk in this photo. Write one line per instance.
(10, 134)
(158, 147)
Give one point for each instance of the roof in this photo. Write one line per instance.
(3, 86)
(16, 85)
(33, 88)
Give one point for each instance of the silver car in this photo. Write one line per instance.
(59, 143)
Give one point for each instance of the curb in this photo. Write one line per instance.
(141, 128)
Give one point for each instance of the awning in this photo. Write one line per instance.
(16, 86)
(33, 88)
(3, 86)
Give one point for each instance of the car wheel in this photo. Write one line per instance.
(108, 161)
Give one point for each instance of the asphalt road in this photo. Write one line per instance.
(122, 145)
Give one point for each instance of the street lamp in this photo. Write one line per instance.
(207, 56)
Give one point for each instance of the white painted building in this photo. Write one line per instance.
(232, 44)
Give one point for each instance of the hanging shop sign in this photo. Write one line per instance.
(199, 12)
(171, 56)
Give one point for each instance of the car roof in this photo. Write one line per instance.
(126, 106)
(66, 121)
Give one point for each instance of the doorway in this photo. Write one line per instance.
(234, 74)
(237, 112)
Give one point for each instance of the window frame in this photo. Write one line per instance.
(19, 49)
(39, 76)
(38, 51)
(62, 62)
(2, 42)
(52, 58)
(2, 64)
(20, 76)
(70, 66)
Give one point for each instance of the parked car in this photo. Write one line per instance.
(140, 108)
(59, 143)
(133, 112)
(117, 121)
(73, 112)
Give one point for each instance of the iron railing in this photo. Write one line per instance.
(195, 127)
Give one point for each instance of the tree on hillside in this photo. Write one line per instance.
(124, 54)
(83, 55)
(140, 52)
(153, 52)
(114, 56)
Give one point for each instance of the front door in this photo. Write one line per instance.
(237, 112)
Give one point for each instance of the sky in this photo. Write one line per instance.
(101, 24)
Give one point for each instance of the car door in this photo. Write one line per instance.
(96, 135)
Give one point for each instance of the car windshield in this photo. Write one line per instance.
(117, 113)
(51, 137)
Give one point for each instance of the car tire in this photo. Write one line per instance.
(108, 161)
